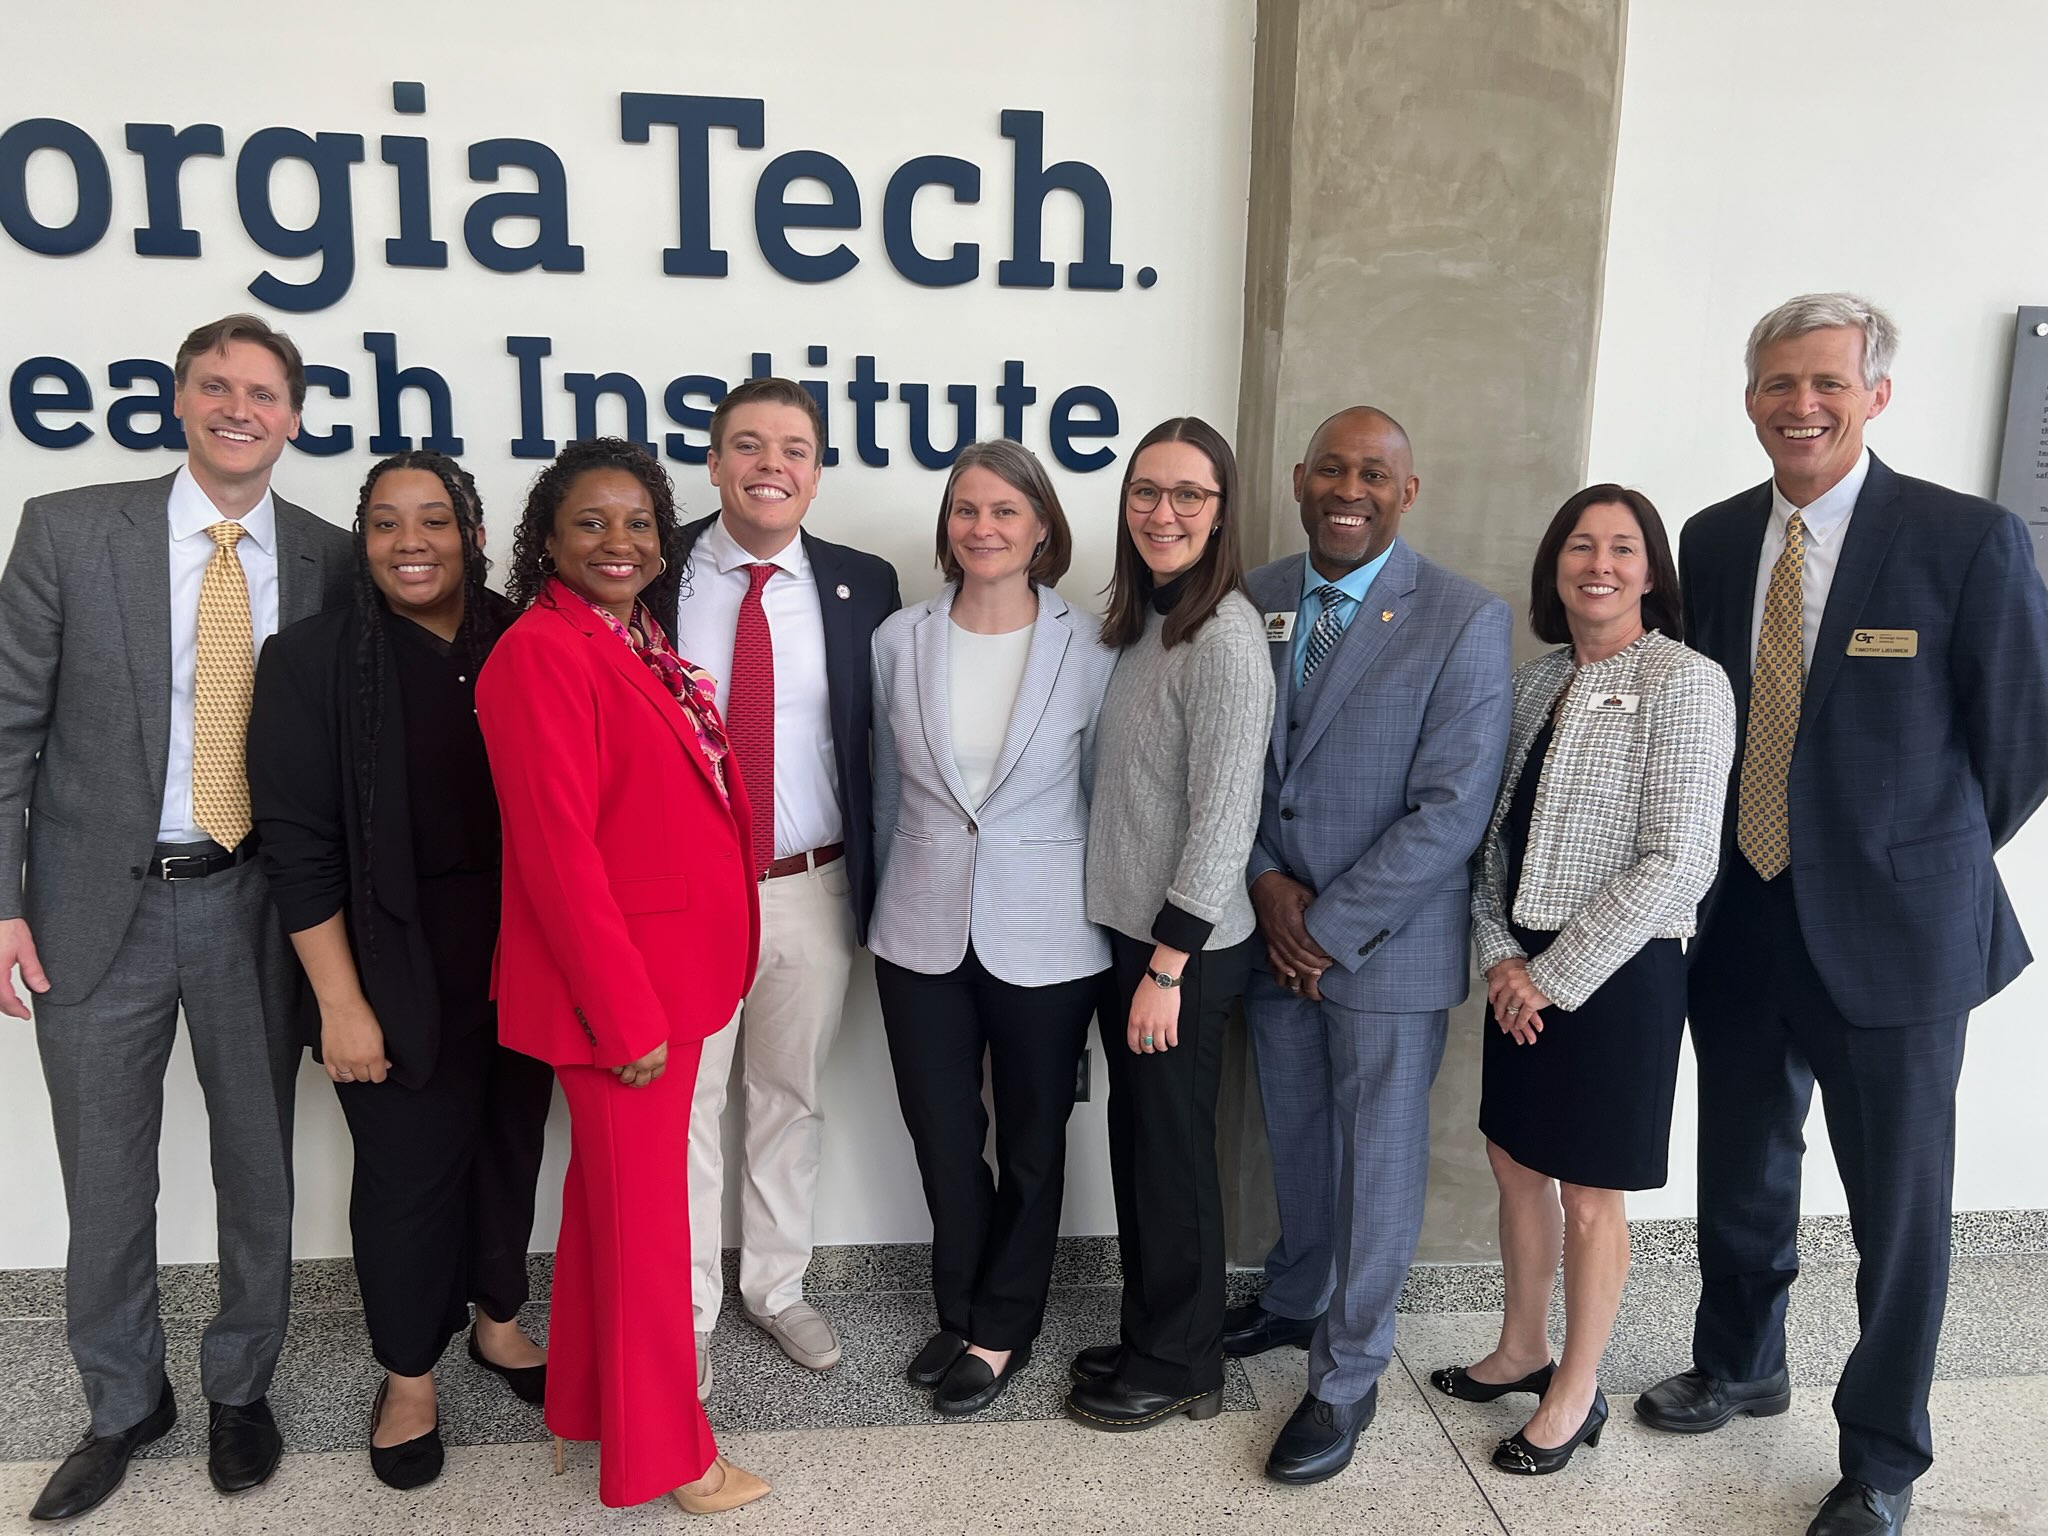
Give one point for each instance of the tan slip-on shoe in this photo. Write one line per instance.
(804, 1334)
(730, 1487)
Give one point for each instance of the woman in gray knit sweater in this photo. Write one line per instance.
(1180, 757)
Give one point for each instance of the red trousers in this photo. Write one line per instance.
(622, 1350)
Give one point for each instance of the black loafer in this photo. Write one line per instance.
(971, 1386)
(411, 1463)
(1114, 1405)
(1252, 1330)
(1692, 1402)
(929, 1365)
(242, 1444)
(1857, 1509)
(1518, 1454)
(96, 1466)
(1098, 1362)
(529, 1383)
(1456, 1381)
(1319, 1438)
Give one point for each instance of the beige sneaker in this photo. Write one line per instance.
(804, 1334)
(703, 1366)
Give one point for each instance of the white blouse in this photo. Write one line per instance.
(983, 674)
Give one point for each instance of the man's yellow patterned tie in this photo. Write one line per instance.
(1763, 830)
(222, 684)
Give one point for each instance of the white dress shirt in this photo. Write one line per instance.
(1827, 529)
(192, 512)
(807, 811)
(984, 673)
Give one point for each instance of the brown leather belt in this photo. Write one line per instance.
(797, 863)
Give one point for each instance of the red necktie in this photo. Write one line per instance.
(750, 714)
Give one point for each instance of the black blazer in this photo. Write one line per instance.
(1908, 772)
(304, 729)
(856, 591)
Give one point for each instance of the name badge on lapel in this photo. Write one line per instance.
(1280, 627)
(1884, 642)
(1614, 703)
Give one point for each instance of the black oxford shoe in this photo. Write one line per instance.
(96, 1467)
(1113, 1404)
(242, 1444)
(1098, 1362)
(1857, 1509)
(1692, 1402)
(1252, 1330)
(1319, 1438)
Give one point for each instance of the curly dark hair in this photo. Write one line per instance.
(551, 488)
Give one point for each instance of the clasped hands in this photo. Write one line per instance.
(1516, 1001)
(1297, 960)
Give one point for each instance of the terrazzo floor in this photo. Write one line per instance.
(858, 1451)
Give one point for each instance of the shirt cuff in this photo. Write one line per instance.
(1180, 930)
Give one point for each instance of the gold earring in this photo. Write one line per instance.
(664, 568)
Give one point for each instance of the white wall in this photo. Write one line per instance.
(1874, 145)
(1153, 93)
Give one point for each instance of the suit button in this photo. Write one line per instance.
(972, 829)
(1286, 815)
(1294, 725)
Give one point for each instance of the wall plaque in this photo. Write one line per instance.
(2023, 463)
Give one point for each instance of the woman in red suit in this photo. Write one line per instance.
(629, 934)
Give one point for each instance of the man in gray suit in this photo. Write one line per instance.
(1394, 697)
(129, 620)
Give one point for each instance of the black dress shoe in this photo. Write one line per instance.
(411, 1463)
(1857, 1509)
(1520, 1455)
(1098, 1362)
(95, 1468)
(929, 1365)
(242, 1444)
(971, 1386)
(1319, 1438)
(1692, 1402)
(1456, 1381)
(529, 1383)
(1252, 1330)
(1111, 1403)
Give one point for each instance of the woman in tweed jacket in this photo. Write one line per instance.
(1604, 838)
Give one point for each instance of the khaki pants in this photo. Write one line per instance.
(781, 1035)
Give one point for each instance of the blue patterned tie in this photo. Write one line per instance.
(1329, 629)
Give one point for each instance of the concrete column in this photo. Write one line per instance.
(1428, 228)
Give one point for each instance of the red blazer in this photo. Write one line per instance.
(629, 919)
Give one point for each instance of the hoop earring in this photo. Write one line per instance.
(664, 568)
(546, 563)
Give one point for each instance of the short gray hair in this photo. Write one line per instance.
(1826, 312)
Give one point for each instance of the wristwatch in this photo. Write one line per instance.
(1161, 980)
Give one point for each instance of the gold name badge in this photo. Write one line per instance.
(1884, 642)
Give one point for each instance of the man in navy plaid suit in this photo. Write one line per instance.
(1394, 699)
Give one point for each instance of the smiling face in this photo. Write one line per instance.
(1358, 478)
(1603, 570)
(991, 528)
(413, 543)
(1170, 540)
(766, 468)
(1809, 406)
(236, 407)
(606, 545)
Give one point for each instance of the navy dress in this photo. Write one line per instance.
(1590, 1102)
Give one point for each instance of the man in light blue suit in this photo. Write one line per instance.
(1394, 695)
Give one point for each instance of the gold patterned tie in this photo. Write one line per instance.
(222, 683)
(1763, 829)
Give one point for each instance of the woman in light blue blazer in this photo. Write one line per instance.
(985, 704)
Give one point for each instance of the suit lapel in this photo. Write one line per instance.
(929, 646)
(298, 566)
(1866, 541)
(1274, 590)
(1731, 641)
(141, 554)
(843, 648)
(1049, 641)
(1379, 616)
(640, 677)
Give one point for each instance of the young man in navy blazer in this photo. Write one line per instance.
(783, 621)
(1888, 644)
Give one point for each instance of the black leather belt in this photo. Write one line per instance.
(196, 866)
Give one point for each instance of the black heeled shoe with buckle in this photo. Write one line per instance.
(411, 1463)
(529, 1383)
(1456, 1381)
(1515, 1454)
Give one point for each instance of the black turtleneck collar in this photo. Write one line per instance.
(1166, 594)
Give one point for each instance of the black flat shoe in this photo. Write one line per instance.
(411, 1463)
(96, 1466)
(242, 1444)
(1098, 1362)
(1319, 1438)
(1114, 1405)
(929, 1365)
(1456, 1381)
(1252, 1330)
(529, 1383)
(971, 1386)
(1857, 1509)
(1515, 1454)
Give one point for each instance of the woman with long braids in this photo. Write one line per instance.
(373, 802)
(631, 930)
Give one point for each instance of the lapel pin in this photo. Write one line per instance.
(1386, 615)
(843, 590)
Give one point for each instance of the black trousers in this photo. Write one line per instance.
(1162, 1166)
(1765, 1031)
(442, 1205)
(993, 1235)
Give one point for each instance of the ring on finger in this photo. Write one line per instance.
(1146, 1041)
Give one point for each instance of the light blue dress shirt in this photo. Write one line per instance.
(1353, 586)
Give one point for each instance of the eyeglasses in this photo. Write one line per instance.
(1186, 500)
